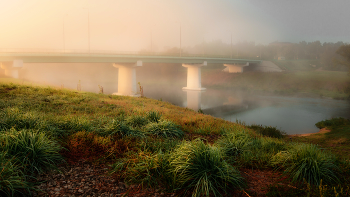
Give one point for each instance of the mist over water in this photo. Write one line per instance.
(164, 82)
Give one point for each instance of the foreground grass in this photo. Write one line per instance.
(148, 142)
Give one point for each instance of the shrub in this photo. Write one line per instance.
(308, 162)
(136, 121)
(32, 149)
(164, 129)
(202, 169)
(154, 116)
(11, 178)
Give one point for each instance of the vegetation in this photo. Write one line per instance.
(151, 143)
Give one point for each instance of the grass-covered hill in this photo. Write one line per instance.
(154, 144)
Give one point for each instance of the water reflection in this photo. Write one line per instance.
(194, 99)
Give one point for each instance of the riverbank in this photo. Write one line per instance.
(334, 135)
(145, 143)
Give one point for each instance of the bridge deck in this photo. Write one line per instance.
(113, 58)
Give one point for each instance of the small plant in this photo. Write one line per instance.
(308, 162)
(154, 116)
(164, 129)
(141, 89)
(149, 170)
(201, 169)
(12, 180)
(34, 150)
(136, 121)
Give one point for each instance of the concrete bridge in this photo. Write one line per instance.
(126, 64)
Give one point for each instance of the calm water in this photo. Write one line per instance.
(290, 114)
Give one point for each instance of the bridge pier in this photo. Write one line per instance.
(194, 99)
(235, 68)
(11, 68)
(127, 78)
(194, 76)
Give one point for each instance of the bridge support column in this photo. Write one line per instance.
(127, 78)
(11, 68)
(194, 76)
(235, 68)
(194, 99)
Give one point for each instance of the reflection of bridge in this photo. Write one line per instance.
(13, 61)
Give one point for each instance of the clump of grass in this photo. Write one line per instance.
(249, 151)
(268, 131)
(34, 150)
(156, 145)
(118, 127)
(154, 116)
(332, 122)
(308, 162)
(146, 169)
(201, 169)
(136, 121)
(164, 129)
(12, 180)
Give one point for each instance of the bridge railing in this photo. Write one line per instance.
(111, 52)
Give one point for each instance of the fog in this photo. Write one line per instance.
(138, 25)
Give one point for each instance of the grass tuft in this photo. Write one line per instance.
(201, 169)
(164, 129)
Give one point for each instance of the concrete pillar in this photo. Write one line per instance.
(127, 78)
(235, 68)
(11, 68)
(194, 76)
(194, 99)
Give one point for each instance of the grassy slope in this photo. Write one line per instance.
(87, 111)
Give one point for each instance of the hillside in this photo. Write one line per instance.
(65, 142)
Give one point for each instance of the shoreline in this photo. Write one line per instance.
(323, 130)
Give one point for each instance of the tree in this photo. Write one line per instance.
(344, 52)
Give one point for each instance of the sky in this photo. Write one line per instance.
(132, 25)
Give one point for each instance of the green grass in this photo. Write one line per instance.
(146, 141)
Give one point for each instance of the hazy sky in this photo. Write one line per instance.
(127, 25)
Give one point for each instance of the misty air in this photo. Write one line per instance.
(174, 98)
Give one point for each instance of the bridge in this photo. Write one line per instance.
(11, 62)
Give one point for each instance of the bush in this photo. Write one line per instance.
(201, 169)
(267, 131)
(164, 129)
(308, 162)
(32, 149)
(12, 180)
